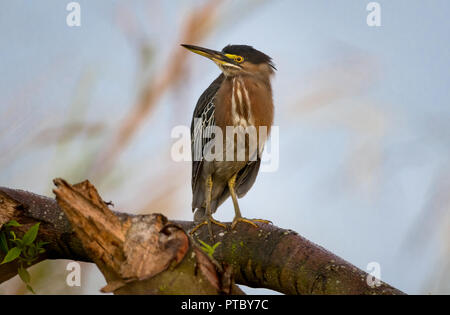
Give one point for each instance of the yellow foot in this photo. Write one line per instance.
(263, 221)
(249, 221)
(206, 223)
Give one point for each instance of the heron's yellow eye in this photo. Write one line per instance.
(237, 58)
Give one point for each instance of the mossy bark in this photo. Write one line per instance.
(264, 257)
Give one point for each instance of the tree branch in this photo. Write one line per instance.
(268, 257)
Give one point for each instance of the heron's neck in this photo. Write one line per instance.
(251, 101)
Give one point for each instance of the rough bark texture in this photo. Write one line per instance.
(151, 255)
(282, 260)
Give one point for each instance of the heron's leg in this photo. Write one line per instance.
(209, 219)
(209, 185)
(231, 185)
(238, 216)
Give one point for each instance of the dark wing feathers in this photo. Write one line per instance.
(200, 135)
(246, 177)
(202, 118)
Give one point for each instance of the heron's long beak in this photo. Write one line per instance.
(219, 58)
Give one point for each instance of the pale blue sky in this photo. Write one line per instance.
(383, 114)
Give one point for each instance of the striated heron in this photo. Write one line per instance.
(240, 98)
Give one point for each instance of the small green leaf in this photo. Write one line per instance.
(207, 246)
(208, 249)
(12, 254)
(30, 289)
(13, 235)
(3, 242)
(18, 242)
(24, 275)
(13, 223)
(31, 251)
(31, 234)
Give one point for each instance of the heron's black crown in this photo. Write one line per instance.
(249, 53)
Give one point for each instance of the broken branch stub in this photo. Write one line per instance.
(135, 248)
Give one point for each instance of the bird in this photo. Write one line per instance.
(240, 98)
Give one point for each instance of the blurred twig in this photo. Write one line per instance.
(197, 25)
(68, 132)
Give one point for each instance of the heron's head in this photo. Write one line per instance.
(238, 60)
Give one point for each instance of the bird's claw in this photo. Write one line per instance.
(195, 228)
(249, 221)
(263, 221)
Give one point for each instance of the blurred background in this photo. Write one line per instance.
(363, 114)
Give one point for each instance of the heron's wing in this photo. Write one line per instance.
(246, 177)
(201, 132)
